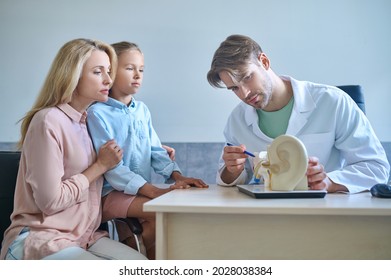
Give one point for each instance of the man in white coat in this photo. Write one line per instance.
(344, 153)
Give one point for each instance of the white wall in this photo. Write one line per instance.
(326, 41)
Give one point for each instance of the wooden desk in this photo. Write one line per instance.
(223, 223)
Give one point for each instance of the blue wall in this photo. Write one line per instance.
(199, 160)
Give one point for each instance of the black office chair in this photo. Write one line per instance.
(356, 93)
(9, 165)
(135, 227)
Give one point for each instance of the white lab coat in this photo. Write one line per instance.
(332, 128)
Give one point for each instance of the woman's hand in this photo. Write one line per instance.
(110, 154)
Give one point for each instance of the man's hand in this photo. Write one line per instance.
(234, 159)
(318, 180)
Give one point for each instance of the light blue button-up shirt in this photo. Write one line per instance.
(131, 127)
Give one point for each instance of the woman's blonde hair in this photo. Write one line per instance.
(64, 75)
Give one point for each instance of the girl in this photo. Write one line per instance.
(127, 187)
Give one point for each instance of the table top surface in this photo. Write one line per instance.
(218, 200)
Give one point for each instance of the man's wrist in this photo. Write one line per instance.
(229, 177)
(333, 187)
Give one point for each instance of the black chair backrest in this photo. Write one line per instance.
(9, 165)
(356, 93)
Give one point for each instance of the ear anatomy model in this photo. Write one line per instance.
(284, 165)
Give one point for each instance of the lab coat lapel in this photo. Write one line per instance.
(296, 122)
(302, 108)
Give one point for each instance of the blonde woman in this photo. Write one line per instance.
(57, 209)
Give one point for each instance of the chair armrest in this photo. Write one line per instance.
(133, 223)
